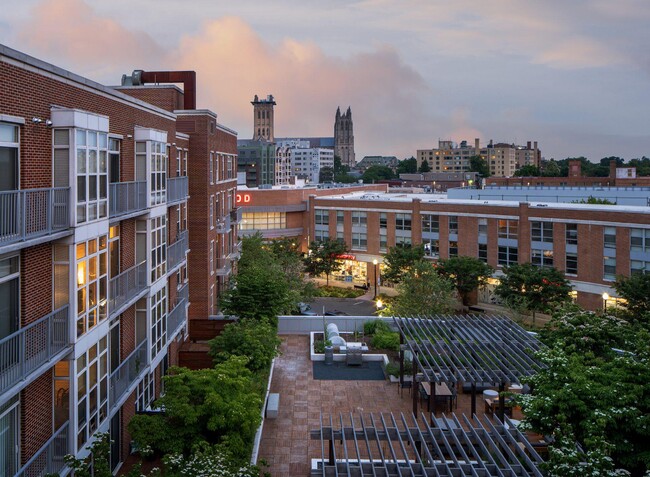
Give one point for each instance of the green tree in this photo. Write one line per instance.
(325, 257)
(593, 200)
(377, 173)
(424, 166)
(256, 340)
(344, 178)
(326, 174)
(537, 289)
(466, 273)
(220, 405)
(407, 166)
(288, 256)
(339, 167)
(399, 260)
(480, 165)
(527, 171)
(635, 290)
(422, 291)
(551, 169)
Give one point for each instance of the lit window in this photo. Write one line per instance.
(92, 282)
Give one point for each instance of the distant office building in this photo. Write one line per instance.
(439, 181)
(307, 162)
(369, 161)
(344, 137)
(257, 159)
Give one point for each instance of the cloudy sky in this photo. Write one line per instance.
(573, 75)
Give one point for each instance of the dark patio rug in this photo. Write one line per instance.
(339, 371)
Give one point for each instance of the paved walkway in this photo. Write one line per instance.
(285, 444)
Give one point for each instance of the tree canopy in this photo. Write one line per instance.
(399, 260)
(480, 165)
(376, 173)
(466, 273)
(528, 171)
(325, 256)
(424, 166)
(407, 166)
(635, 290)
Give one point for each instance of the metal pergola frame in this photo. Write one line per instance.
(407, 445)
(470, 349)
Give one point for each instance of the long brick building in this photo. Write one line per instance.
(107, 199)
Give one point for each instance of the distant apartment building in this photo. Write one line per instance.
(369, 161)
(257, 160)
(101, 215)
(305, 162)
(503, 159)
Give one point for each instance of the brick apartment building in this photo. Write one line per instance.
(102, 197)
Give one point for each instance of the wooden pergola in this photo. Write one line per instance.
(469, 349)
(408, 445)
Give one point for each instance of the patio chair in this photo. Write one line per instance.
(405, 385)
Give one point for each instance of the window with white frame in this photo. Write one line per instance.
(211, 167)
(211, 211)
(158, 247)
(541, 232)
(211, 257)
(383, 220)
(145, 393)
(10, 436)
(571, 234)
(92, 282)
(179, 154)
(402, 221)
(639, 267)
(508, 256)
(432, 248)
(92, 390)
(571, 263)
(9, 157)
(230, 160)
(157, 153)
(508, 229)
(541, 258)
(321, 235)
(321, 217)
(430, 223)
(9, 297)
(359, 219)
(92, 175)
(359, 240)
(402, 240)
(185, 162)
(609, 237)
(482, 227)
(483, 252)
(609, 268)
(453, 224)
(453, 248)
(158, 321)
(640, 240)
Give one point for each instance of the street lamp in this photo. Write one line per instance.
(375, 262)
(380, 305)
(605, 298)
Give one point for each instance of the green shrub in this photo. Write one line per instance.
(386, 340)
(319, 346)
(337, 292)
(392, 369)
(257, 340)
(375, 326)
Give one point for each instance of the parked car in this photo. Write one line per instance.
(305, 309)
(336, 313)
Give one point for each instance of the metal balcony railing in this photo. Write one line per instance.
(127, 197)
(127, 374)
(176, 251)
(177, 315)
(126, 287)
(33, 213)
(235, 215)
(223, 267)
(223, 224)
(25, 351)
(49, 459)
(177, 189)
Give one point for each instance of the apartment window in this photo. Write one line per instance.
(640, 240)
(211, 255)
(571, 263)
(340, 217)
(542, 232)
(453, 224)
(402, 241)
(508, 229)
(185, 162)
(212, 168)
(430, 223)
(571, 234)
(184, 215)
(609, 268)
(482, 227)
(113, 159)
(145, 393)
(114, 251)
(230, 160)
(92, 390)
(359, 240)
(158, 321)
(432, 248)
(215, 179)
(9, 157)
(213, 310)
(542, 258)
(508, 256)
(321, 235)
(359, 219)
(9, 296)
(453, 249)
(483, 252)
(402, 221)
(639, 267)
(383, 241)
(92, 175)
(322, 217)
(92, 282)
(179, 154)
(158, 247)
(609, 237)
(211, 212)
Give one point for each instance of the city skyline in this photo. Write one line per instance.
(573, 77)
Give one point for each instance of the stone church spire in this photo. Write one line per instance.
(344, 137)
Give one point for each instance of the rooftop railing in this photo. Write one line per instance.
(29, 348)
(49, 459)
(127, 197)
(126, 288)
(176, 251)
(177, 316)
(177, 189)
(127, 374)
(33, 213)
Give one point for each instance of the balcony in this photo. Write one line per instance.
(235, 215)
(127, 198)
(30, 214)
(223, 267)
(223, 224)
(126, 288)
(30, 350)
(49, 459)
(177, 316)
(124, 379)
(176, 251)
(177, 189)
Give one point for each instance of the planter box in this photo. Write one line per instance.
(340, 356)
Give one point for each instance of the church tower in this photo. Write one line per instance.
(263, 118)
(344, 138)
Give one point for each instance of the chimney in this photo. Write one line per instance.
(188, 78)
(477, 146)
(612, 169)
(575, 168)
(528, 145)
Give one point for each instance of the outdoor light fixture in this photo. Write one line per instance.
(605, 298)
(380, 304)
(37, 120)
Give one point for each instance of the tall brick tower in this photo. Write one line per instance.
(344, 137)
(263, 118)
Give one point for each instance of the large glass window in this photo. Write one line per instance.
(383, 220)
(639, 267)
(359, 218)
(508, 256)
(158, 172)
(542, 232)
(146, 392)
(114, 159)
(263, 220)
(158, 247)
(322, 217)
(9, 156)
(542, 258)
(571, 234)
(482, 227)
(483, 252)
(508, 229)
(359, 240)
(453, 224)
(9, 296)
(609, 237)
(9, 437)
(340, 217)
(609, 268)
(92, 282)
(158, 321)
(430, 223)
(92, 175)
(571, 263)
(92, 390)
(453, 249)
(402, 221)
(432, 248)
(321, 235)
(640, 240)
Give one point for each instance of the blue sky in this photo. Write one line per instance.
(573, 75)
